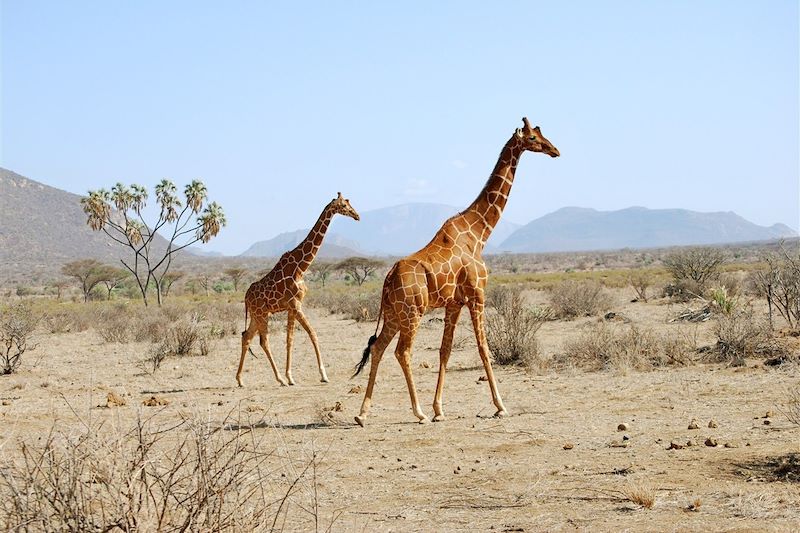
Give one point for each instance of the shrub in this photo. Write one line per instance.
(60, 321)
(17, 324)
(571, 299)
(779, 282)
(358, 305)
(115, 324)
(740, 334)
(604, 347)
(791, 407)
(511, 327)
(692, 269)
(640, 281)
(197, 477)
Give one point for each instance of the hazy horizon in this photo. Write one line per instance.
(690, 105)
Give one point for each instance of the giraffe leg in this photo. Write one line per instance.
(450, 320)
(301, 317)
(376, 353)
(247, 336)
(403, 354)
(476, 313)
(263, 337)
(289, 338)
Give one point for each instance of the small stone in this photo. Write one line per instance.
(625, 437)
(690, 443)
(675, 446)
(424, 364)
(732, 444)
(152, 401)
(568, 446)
(114, 400)
(483, 378)
(693, 424)
(220, 403)
(711, 442)
(712, 423)
(622, 427)
(6, 402)
(354, 390)
(767, 422)
(769, 414)
(618, 444)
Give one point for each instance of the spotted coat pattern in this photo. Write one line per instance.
(283, 289)
(449, 272)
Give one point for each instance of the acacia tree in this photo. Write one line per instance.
(235, 274)
(181, 224)
(359, 268)
(88, 272)
(113, 278)
(169, 279)
(321, 270)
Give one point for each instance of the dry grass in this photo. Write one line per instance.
(571, 299)
(791, 406)
(511, 327)
(641, 494)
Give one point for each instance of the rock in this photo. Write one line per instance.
(355, 390)
(767, 422)
(732, 444)
(712, 423)
(424, 364)
(622, 427)
(568, 446)
(693, 424)
(768, 414)
(711, 442)
(152, 401)
(6, 402)
(625, 437)
(690, 443)
(618, 444)
(483, 378)
(114, 400)
(675, 446)
(220, 403)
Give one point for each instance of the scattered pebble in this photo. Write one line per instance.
(424, 364)
(732, 444)
(568, 446)
(693, 424)
(6, 402)
(625, 437)
(483, 378)
(354, 390)
(220, 402)
(622, 427)
(675, 446)
(618, 444)
(769, 414)
(712, 423)
(767, 422)
(690, 443)
(457, 470)
(711, 442)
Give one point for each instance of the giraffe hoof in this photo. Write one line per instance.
(359, 420)
(283, 383)
(501, 413)
(424, 420)
(439, 418)
(324, 379)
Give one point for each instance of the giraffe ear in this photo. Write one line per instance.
(518, 131)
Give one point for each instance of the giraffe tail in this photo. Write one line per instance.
(365, 355)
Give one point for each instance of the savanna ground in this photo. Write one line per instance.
(295, 455)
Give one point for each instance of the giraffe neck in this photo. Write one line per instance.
(491, 201)
(308, 248)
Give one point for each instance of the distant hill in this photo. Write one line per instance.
(580, 229)
(42, 227)
(397, 230)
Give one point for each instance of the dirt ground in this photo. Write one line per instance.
(558, 462)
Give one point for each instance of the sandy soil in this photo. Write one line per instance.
(471, 472)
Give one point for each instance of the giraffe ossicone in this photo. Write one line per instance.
(283, 289)
(449, 272)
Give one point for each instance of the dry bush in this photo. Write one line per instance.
(358, 305)
(692, 270)
(779, 282)
(187, 336)
(641, 281)
(741, 334)
(571, 299)
(116, 323)
(151, 327)
(17, 324)
(225, 318)
(791, 406)
(640, 494)
(621, 348)
(511, 327)
(59, 321)
(192, 477)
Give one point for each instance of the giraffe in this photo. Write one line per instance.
(283, 289)
(449, 272)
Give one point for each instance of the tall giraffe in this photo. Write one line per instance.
(283, 289)
(449, 272)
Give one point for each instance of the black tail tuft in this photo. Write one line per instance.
(365, 356)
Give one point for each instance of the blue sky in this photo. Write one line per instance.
(277, 106)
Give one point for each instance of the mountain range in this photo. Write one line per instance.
(41, 227)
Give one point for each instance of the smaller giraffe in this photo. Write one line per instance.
(283, 289)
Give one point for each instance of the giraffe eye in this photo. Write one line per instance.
(533, 137)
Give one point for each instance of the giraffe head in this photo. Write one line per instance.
(533, 140)
(342, 206)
